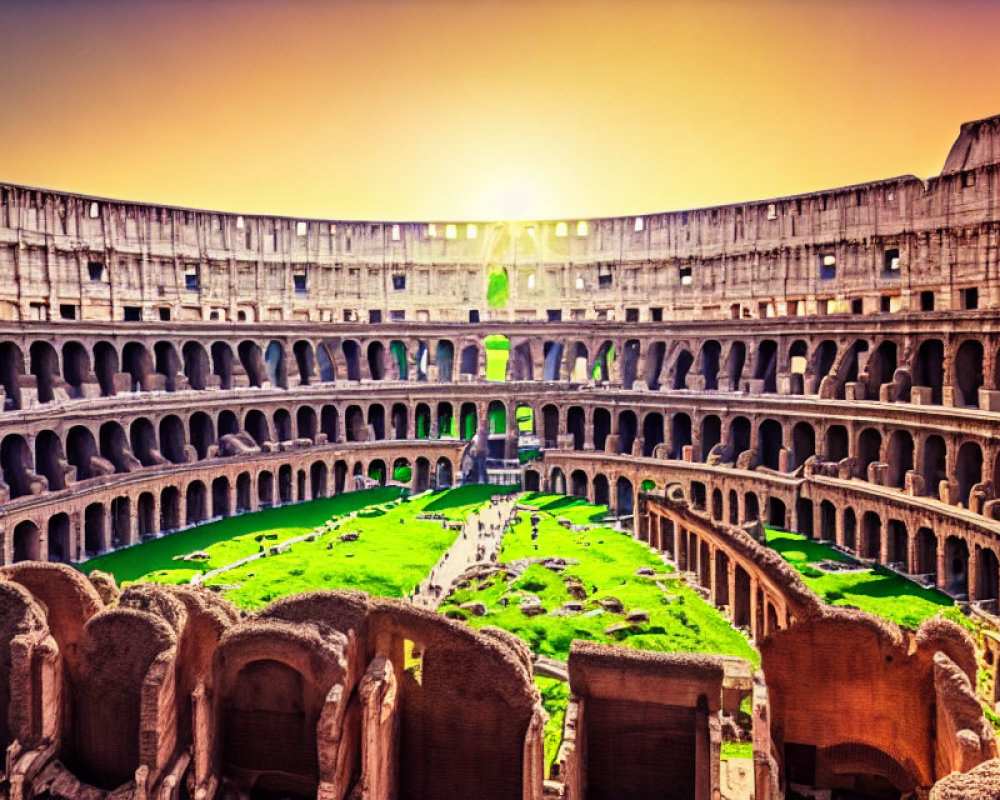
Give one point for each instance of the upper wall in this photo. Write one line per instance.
(889, 245)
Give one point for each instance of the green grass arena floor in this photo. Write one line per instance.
(877, 591)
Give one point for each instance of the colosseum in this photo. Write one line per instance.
(826, 364)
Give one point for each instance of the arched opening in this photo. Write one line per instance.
(797, 367)
(741, 599)
(880, 368)
(422, 421)
(776, 513)
(803, 444)
(766, 365)
(444, 357)
(443, 473)
(244, 495)
(202, 433)
(81, 448)
(711, 352)
(197, 503)
(520, 366)
(717, 505)
(987, 575)
(532, 480)
(121, 522)
(422, 475)
(255, 424)
(45, 368)
(220, 497)
(76, 368)
(168, 364)
(105, 367)
(326, 364)
(400, 421)
(468, 421)
(172, 442)
(196, 365)
(352, 359)
(377, 471)
(899, 457)
(968, 373)
(27, 542)
(871, 536)
(305, 361)
(624, 495)
(751, 507)
(652, 433)
(827, 521)
(735, 362)
(925, 554)
(550, 426)
(968, 471)
(115, 447)
(770, 444)
(557, 481)
(59, 538)
(274, 362)
(739, 437)
(869, 450)
(578, 483)
(711, 434)
(145, 515)
(654, 364)
(95, 533)
(15, 460)
(305, 423)
(579, 363)
(228, 424)
(136, 362)
(824, 357)
(681, 368)
(252, 361)
(376, 421)
(602, 428)
(222, 364)
(400, 360)
(602, 490)
(447, 422)
(804, 516)
(576, 426)
(928, 368)
(602, 363)
(265, 489)
(170, 509)
(897, 544)
(956, 566)
(552, 352)
(630, 362)
(283, 425)
(850, 530)
(285, 494)
(734, 507)
(680, 435)
(627, 428)
(470, 361)
(318, 479)
(329, 423)
(837, 447)
(49, 458)
(11, 370)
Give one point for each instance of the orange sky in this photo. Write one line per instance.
(406, 109)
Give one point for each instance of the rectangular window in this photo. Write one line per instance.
(95, 269)
(968, 179)
(685, 276)
(451, 231)
(772, 211)
(604, 281)
(95, 211)
(970, 298)
(299, 279)
(67, 311)
(164, 314)
(554, 315)
(631, 314)
(397, 316)
(432, 230)
(561, 229)
(639, 224)
(891, 261)
(827, 266)
(471, 231)
(582, 228)
(656, 314)
(927, 301)
(191, 279)
(374, 317)
(399, 282)
(857, 306)
(395, 233)
(473, 315)
(300, 229)
(133, 314)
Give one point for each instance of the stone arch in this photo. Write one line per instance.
(444, 358)
(305, 361)
(376, 421)
(578, 483)
(682, 365)
(202, 432)
(326, 361)
(968, 371)
(27, 542)
(16, 462)
(168, 364)
(928, 370)
(837, 443)
(318, 477)
(136, 362)
(50, 460)
(956, 566)
(105, 368)
(630, 362)
(352, 359)
(602, 491)
(11, 374)
(422, 421)
(770, 443)
(871, 536)
(222, 364)
(680, 435)
(329, 422)
(766, 365)
(45, 368)
(968, 470)
(253, 362)
(899, 457)
(824, 357)
(443, 473)
(81, 450)
(400, 421)
(711, 434)
(735, 363)
(305, 423)
(173, 442)
(711, 355)
(60, 546)
(197, 368)
(77, 372)
(803, 444)
(552, 355)
(869, 450)
(276, 364)
(652, 432)
(627, 429)
(170, 509)
(282, 425)
(220, 497)
(115, 447)
(655, 355)
(256, 424)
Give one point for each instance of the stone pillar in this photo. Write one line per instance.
(941, 580)
(883, 553)
(753, 609)
(973, 573)
(711, 574)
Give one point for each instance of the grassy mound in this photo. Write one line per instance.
(606, 562)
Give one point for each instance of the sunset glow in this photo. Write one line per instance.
(495, 109)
